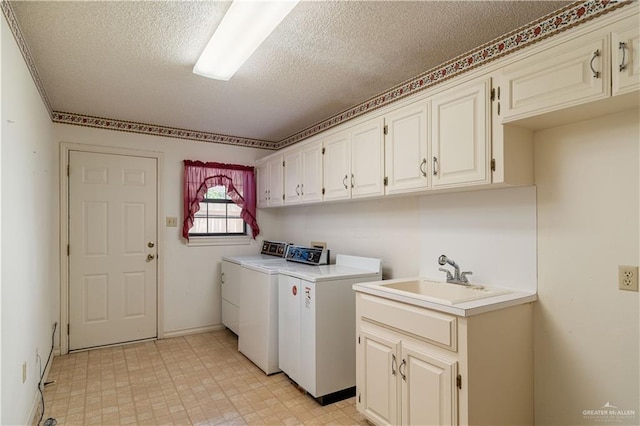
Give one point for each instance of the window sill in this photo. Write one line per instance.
(219, 241)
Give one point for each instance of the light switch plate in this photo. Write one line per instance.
(172, 222)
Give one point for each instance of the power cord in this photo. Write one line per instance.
(50, 421)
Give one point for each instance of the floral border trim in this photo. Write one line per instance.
(564, 19)
(155, 130)
(10, 16)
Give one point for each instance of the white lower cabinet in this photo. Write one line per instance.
(400, 370)
(418, 366)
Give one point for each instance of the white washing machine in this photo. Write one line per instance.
(258, 325)
(316, 325)
(231, 276)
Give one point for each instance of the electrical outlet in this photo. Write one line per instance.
(628, 278)
(24, 371)
(172, 222)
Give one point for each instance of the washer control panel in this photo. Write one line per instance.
(309, 255)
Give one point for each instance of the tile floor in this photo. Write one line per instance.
(199, 379)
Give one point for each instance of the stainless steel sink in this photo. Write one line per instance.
(449, 294)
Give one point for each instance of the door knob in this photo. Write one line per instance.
(150, 244)
(150, 257)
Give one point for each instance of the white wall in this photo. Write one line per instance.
(29, 233)
(586, 330)
(491, 233)
(191, 274)
(382, 228)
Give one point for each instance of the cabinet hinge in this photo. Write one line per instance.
(386, 129)
(283, 196)
(282, 163)
(323, 150)
(68, 328)
(493, 164)
(386, 181)
(359, 399)
(358, 339)
(459, 381)
(322, 191)
(68, 169)
(68, 250)
(493, 95)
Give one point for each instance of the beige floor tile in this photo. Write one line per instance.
(192, 380)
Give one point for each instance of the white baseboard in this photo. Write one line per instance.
(196, 330)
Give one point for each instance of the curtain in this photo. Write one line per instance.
(239, 181)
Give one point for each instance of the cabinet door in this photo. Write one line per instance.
(311, 183)
(337, 167)
(289, 306)
(262, 177)
(377, 375)
(367, 159)
(230, 290)
(292, 171)
(460, 135)
(566, 75)
(406, 146)
(276, 182)
(429, 394)
(626, 54)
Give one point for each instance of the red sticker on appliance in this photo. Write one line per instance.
(294, 290)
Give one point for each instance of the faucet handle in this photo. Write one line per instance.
(463, 276)
(449, 276)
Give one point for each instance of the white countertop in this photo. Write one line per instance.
(464, 309)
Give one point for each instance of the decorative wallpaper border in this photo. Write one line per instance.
(564, 19)
(155, 130)
(574, 14)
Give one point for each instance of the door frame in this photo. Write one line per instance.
(65, 148)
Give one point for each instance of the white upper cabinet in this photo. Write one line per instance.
(311, 186)
(461, 135)
(337, 166)
(625, 40)
(367, 159)
(292, 172)
(270, 182)
(406, 149)
(303, 174)
(589, 67)
(562, 76)
(353, 162)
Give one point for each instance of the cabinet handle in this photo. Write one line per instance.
(351, 180)
(393, 364)
(623, 46)
(596, 74)
(222, 278)
(298, 189)
(302, 189)
(424, 163)
(344, 181)
(404, 377)
(435, 166)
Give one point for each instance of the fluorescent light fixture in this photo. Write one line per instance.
(243, 28)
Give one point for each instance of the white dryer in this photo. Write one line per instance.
(316, 324)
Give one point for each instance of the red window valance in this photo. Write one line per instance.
(239, 181)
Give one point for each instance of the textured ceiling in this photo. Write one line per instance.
(133, 60)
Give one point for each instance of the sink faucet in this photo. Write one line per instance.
(458, 277)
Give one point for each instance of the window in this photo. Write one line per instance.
(219, 203)
(218, 215)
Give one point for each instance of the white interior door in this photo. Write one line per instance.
(112, 249)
